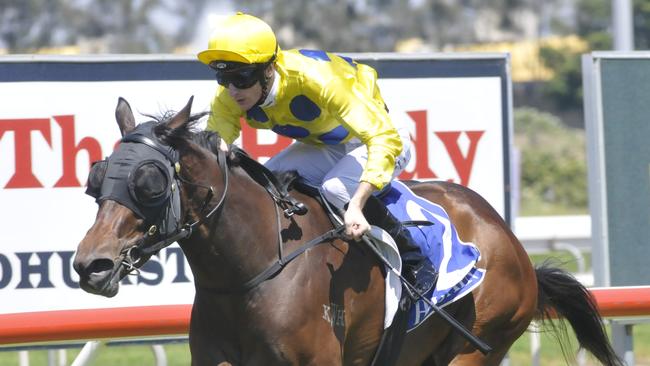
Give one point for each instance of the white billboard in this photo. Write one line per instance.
(50, 130)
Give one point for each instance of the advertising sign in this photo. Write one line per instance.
(57, 117)
(617, 88)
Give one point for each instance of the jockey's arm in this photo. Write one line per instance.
(224, 118)
(367, 119)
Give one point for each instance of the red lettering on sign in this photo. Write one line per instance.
(421, 145)
(24, 177)
(250, 143)
(463, 165)
(22, 128)
(70, 150)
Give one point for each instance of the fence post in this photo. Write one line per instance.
(535, 344)
(51, 357)
(623, 341)
(159, 354)
(63, 357)
(88, 353)
(23, 358)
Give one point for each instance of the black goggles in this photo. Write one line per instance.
(240, 78)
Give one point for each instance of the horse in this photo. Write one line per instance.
(254, 305)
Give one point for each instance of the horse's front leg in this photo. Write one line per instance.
(207, 345)
(205, 351)
(204, 354)
(196, 362)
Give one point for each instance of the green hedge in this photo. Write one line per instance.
(553, 164)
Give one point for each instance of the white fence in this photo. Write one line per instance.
(542, 234)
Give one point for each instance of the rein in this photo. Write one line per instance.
(290, 206)
(279, 265)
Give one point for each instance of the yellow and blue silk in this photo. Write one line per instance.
(322, 99)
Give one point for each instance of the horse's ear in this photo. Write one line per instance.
(124, 116)
(182, 117)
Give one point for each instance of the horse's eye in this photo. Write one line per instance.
(149, 184)
(95, 178)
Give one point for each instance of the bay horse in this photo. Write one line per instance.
(324, 307)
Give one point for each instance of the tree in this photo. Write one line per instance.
(122, 26)
(553, 164)
(594, 23)
(565, 88)
(642, 24)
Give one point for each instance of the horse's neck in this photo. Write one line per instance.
(239, 243)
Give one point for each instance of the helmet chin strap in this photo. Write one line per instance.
(264, 82)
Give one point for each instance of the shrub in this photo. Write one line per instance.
(553, 164)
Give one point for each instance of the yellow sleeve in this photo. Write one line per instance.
(224, 116)
(366, 118)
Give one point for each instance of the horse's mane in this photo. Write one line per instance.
(180, 137)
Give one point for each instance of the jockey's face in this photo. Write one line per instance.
(246, 98)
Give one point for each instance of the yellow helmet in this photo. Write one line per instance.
(240, 38)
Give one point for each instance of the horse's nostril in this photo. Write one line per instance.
(99, 266)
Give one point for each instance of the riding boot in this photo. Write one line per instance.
(416, 267)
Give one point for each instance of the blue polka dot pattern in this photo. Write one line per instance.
(315, 54)
(257, 114)
(348, 60)
(304, 109)
(335, 136)
(291, 131)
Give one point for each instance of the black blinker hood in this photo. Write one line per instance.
(138, 147)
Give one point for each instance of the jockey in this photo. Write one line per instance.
(346, 142)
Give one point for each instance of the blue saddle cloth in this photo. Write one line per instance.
(454, 259)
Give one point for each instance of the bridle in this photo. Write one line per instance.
(142, 248)
(131, 257)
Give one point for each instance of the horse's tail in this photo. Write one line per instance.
(559, 291)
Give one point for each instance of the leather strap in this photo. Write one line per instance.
(276, 267)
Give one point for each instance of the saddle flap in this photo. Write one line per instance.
(387, 247)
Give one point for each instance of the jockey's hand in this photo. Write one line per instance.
(355, 223)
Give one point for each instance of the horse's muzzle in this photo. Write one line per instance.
(99, 276)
